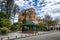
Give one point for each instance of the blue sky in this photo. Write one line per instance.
(42, 7)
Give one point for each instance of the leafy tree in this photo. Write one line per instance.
(14, 12)
(48, 20)
(0, 22)
(8, 7)
(42, 26)
(6, 22)
(2, 15)
(18, 25)
(4, 30)
(24, 14)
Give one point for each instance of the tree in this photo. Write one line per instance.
(42, 26)
(24, 14)
(4, 30)
(8, 7)
(4, 21)
(48, 20)
(2, 16)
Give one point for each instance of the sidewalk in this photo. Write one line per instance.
(20, 35)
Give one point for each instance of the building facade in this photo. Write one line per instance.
(58, 24)
(30, 15)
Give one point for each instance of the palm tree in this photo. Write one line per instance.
(24, 14)
(14, 12)
(8, 7)
(7, 4)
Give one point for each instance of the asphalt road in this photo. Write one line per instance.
(49, 36)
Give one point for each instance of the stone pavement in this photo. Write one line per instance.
(15, 35)
(53, 35)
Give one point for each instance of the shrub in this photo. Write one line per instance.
(4, 30)
(13, 27)
(0, 31)
(16, 26)
(42, 26)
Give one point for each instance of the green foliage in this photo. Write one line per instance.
(18, 25)
(42, 26)
(4, 30)
(47, 19)
(6, 22)
(0, 22)
(2, 15)
(13, 27)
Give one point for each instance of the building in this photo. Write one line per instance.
(58, 24)
(29, 15)
(39, 20)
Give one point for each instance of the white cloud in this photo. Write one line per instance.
(52, 7)
(30, 0)
(20, 2)
(26, 2)
(38, 4)
(32, 3)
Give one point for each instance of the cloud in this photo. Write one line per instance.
(15, 19)
(30, 3)
(42, 7)
(56, 10)
(52, 8)
(19, 2)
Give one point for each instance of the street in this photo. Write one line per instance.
(49, 36)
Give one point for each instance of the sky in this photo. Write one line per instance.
(42, 7)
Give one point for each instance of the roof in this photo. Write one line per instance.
(29, 24)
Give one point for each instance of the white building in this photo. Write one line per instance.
(58, 24)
